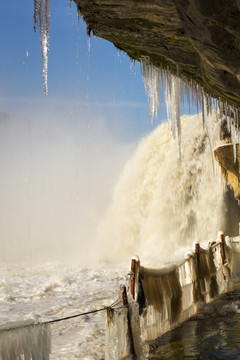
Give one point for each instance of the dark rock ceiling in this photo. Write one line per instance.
(197, 39)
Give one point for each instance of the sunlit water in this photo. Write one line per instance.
(52, 291)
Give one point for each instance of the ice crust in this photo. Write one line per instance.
(25, 340)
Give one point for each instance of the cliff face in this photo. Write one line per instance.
(199, 40)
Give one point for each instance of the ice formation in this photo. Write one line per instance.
(42, 14)
(152, 83)
(25, 340)
(176, 90)
(161, 299)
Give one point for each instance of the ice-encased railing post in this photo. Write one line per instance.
(123, 337)
(25, 340)
(176, 292)
(42, 16)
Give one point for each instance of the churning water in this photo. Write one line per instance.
(53, 290)
(159, 208)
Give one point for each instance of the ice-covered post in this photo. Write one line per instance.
(129, 326)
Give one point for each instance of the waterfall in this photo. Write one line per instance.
(160, 205)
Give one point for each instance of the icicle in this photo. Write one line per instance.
(199, 98)
(42, 10)
(168, 101)
(89, 44)
(36, 14)
(152, 82)
(193, 94)
(207, 125)
(203, 110)
(197, 104)
(215, 106)
(228, 117)
(188, 98)
(178, 115)
(233, 133)
(207, 100)
(175, 91)
(132, 65)
(221, 110)
(78, 13)
(237, 125)
(172, 98)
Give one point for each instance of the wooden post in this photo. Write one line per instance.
(133, 277)
(134, 273)
(197, 253)
(222, 239)
(129, 332)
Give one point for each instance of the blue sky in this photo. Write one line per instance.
(62, 154)
(98, 81)
(87, 82)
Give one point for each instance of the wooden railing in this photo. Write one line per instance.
(161, 299)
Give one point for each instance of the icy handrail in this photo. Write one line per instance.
(25, 339)
(161, 299)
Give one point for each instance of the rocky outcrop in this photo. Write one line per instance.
(230, 167)
(199, 40)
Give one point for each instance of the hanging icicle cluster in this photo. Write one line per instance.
(42, 14)
(176, 90)
(153, 82)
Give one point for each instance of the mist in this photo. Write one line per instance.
(57, 178)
